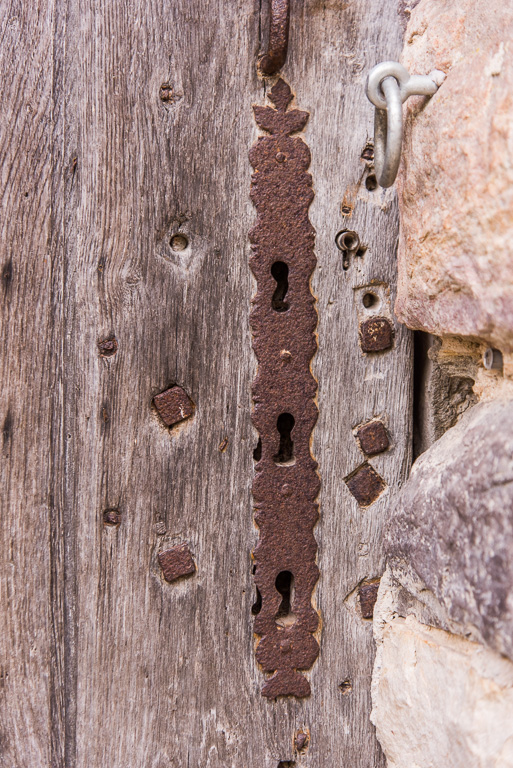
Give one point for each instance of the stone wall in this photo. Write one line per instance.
(443, 678)
(456, 186)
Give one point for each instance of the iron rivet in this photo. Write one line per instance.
(112, 517)
(376, 334)
(365, 485)
(373, 437)
(173, 405)
(301, 741)
(176, 562)
(108, 347)
(167, 93)
(368, 594)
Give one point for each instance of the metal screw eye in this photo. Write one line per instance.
(388, 134)
(388, 86)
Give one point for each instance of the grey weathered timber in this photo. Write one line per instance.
(330, 55)
(104, 662)
(32, 632)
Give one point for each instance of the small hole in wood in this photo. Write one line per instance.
(257, 452)
(368, 152)
(371, 182)
(370, 300)
(179, 242)
(345, 687)
(280, 272)
(285, 425)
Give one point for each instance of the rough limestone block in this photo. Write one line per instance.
(440, 701)
(456, 180)
(452, 532)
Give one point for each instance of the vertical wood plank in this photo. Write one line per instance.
(332, 48)
(165, 672)
(31, 638)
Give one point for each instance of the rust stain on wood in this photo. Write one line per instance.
(176, 562)
(283, 322)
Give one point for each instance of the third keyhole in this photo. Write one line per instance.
(285, 586)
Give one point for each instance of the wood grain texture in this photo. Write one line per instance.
(32, 626)
(332, 50)
(108, 664)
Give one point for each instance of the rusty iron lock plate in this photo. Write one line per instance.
(283, 322)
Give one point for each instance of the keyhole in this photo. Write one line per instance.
(257, 451)
(285, 425)
(257, 605)
(285, 585)
(280, 272)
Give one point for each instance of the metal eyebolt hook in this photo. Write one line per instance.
(276, 54)
(388, 86)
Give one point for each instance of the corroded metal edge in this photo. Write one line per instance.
(284, 343)
(276, 54)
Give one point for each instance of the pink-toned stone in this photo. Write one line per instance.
(456, 181)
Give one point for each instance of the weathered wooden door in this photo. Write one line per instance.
(126, 212)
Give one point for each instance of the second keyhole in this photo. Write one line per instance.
(280, 272)
(285, 425)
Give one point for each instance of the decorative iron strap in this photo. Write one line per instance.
(283, 322)
(278, 43)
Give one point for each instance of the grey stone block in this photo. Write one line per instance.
(452, 532)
